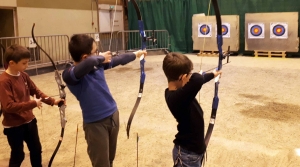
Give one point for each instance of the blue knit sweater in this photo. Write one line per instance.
(87, 83)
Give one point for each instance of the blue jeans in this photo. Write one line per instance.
(185, 158)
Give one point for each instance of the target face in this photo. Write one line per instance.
(225, 30)
(278, 30)
(256, 30)
(204, 30)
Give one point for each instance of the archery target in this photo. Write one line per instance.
(279, 30)
(204, 30)
(225, 30)
(256, 30)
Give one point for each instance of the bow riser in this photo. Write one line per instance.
(142, 60)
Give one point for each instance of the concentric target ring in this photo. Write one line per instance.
(278, 30)
(224, 30)
(204, 29)
(256, 30)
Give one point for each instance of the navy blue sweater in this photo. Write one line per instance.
(87, 83)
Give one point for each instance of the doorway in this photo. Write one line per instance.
(7, 28)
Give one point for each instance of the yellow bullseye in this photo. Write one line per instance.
(278, 30)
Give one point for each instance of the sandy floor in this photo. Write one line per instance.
(257, 122)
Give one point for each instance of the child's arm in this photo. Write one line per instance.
(124, 59)
(73, 74)
(189, 91)
(87, 65)
(36, 92)
(121, 59)
(8, 102)
(206, 78)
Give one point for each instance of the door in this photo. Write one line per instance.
(7, 29)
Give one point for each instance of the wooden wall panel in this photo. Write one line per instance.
(291, 44)
(210, 44)
(56, 4)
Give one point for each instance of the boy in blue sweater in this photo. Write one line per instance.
(86, 81)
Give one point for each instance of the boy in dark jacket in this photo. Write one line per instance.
(183, 86)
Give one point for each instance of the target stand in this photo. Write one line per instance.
(259, 53)
(208, 53)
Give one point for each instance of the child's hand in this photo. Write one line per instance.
(217, 73)
(139, 53)
(107, 56)
(56, 102)
(38, 102)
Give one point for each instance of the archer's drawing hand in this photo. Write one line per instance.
(107, 56)
(139, 53)
(38, 102)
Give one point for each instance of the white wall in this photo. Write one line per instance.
(49, 21)
(8, 3)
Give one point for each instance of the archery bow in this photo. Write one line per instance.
(221, 57)
(142, 62)
(62, 95)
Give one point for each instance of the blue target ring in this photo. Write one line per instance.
(224, 30)
(204, 29)
(256, 30)
(278, 30)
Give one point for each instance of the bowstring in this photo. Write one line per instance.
(98, 31)
(113, 24)
(208, 12)
(43, 127)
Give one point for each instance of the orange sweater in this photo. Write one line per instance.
(15, 92)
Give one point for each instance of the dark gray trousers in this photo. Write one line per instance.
(101, 138)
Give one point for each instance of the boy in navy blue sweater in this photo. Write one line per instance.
(86, 81)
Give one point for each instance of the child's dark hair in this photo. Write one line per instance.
(16, 53)
(79, 45)
(176, 64)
